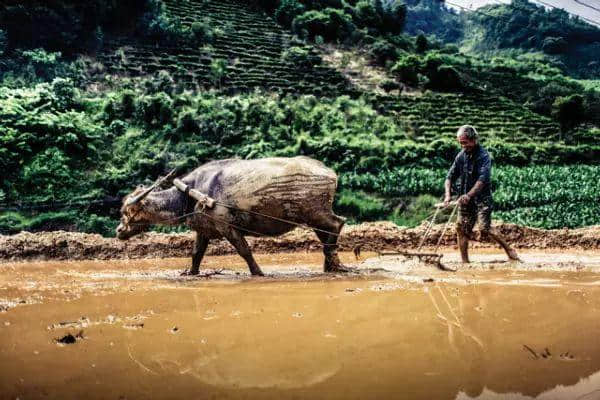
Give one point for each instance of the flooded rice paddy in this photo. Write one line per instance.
(135, 329)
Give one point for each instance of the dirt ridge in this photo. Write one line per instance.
(371, 236)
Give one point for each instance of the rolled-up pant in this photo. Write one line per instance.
(477, 211)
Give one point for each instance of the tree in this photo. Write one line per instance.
(218, 68)
(421, 43)
(569, 111)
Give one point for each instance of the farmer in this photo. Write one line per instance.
(473, 166)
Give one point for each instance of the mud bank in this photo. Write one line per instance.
(135, 329)
(375, 236)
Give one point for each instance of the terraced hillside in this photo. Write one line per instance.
(249, 41)
(252, 44)
(427, 117)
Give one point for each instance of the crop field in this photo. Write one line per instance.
(539, 196)
(426, 117)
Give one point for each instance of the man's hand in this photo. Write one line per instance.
(446, 201)
(464, 199)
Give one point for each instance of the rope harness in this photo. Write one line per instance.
(206, 201)
(209, 202)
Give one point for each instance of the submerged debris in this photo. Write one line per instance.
(69, 338)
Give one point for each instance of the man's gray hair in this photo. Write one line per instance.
(468, 131)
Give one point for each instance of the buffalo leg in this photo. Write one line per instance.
(331, 223)
(241, 245)
(199, 249)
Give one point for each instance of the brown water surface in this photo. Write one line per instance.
(141, 331)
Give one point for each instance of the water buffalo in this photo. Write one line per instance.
(239, 195)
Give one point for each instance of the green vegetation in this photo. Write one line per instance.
(180, 83)
(571, 42)
(61, 146)
(338, 20)
(540, 196)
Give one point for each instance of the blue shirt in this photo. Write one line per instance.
(469, 168)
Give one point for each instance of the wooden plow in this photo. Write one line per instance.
(433, 258)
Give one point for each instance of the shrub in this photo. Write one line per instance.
(67, 96)
(392, 14)
(361, 206)
(407, 69)
(187, 123)
(421, 43)
(569, 111)
(446, 78)
(554, 45)
(155, 110)
(365, 14)
(382, 51)
(287, 11)
(202, 32)
(49, 174)
(329, 23)
(414, 211)
(155, 26)
(43, 63)
(127, 106)
(218, 70)
(300, 56)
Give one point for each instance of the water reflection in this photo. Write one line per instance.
(492, 335)
(586, 389)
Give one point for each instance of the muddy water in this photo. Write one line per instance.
(141, 331)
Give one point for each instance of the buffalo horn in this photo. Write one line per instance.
(134, 200)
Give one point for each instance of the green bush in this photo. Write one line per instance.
(202, 32)
(67, 95)
(421, 44)
(360, 206)
(330, 23)
(300, 56)
(43, 63)
(569, 111)
(445, 78)
(554, 45)
(407, 69)
(383, 51)
(287, 11)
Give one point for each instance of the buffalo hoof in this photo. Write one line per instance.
(340, 268)
(257, 273)
(189, 272)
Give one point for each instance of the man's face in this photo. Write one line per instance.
(467, 144)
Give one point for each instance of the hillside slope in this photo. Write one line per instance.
(251, 45)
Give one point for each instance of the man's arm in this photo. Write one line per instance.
(453, 173)
(484, 172)
(447, 194)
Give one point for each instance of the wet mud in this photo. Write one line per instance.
(373, 236)
(136, 329)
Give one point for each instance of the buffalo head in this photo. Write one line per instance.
(136, 216)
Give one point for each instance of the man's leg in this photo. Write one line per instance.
(464, 229)
(511, 253)
(484, 217)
